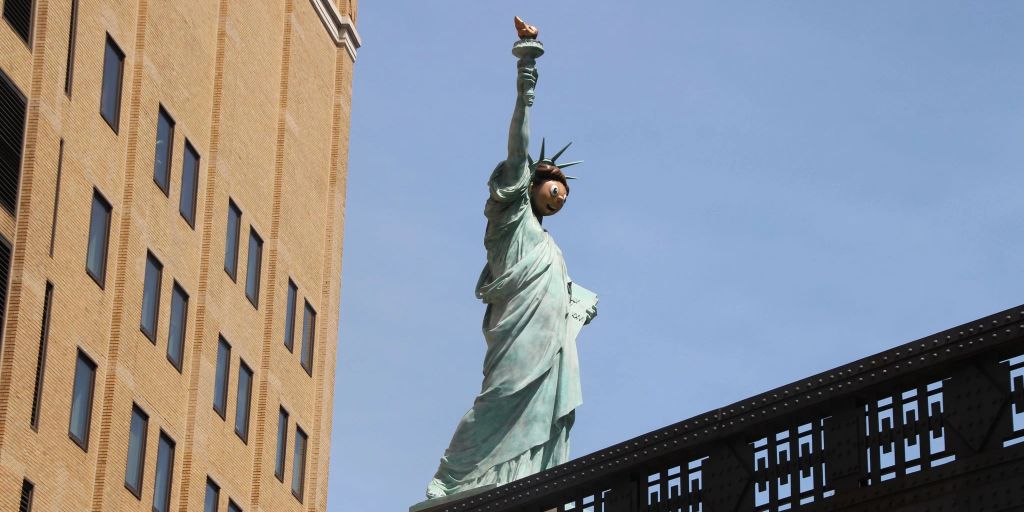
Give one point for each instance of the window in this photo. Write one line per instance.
(242, 401)
(69, 69)
(220, 386)
(231, 240)
(44, 337)
(151, 296)
(176, 333)
(164, 474)
(189, 184)
(308, 338)
(299, 464)
(99, 233)
(56, 195)
(212, 500)
(28, 490)
(81, 400)
(289, 316)
(18, 14)
(110, 96)
(282, 443)
(164, 150)
(5, 273)
(252, 278)
(233, 507)
(137, 432)
(12, 118)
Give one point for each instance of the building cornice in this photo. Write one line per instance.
(340, 27)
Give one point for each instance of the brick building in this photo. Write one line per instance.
(172, 192)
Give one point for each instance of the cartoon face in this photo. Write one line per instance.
(548, 197)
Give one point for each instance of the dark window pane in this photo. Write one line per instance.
(164, 474)
(99, 231)
(242, 401)
(28, 491)
(56, 196)
(299, 464)
(252, 277)
(137, 433)
(19, 14)
(69, 70)
(233, 507)
(189, 184)
(81, 400)
(176, 333)
(44, 339)
(151, 296)
(12, 119)
(164, 150)
(231, 240)
(110, 96)
(289, 316)
(212, 501)
(308, 337)
(282, 443)
(220, 389)
(5, 273)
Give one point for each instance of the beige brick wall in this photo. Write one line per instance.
(262, 92)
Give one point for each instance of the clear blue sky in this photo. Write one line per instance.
(771, 189)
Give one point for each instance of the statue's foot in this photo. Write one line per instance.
(435, 490)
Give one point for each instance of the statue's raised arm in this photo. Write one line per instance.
(527, 49)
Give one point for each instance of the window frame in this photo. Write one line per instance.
(254, 297)
(232, 208)
(8, 83)
(151, 331)
(291, 302)
(165, 187)
(82, 442)
(243, 369)
(116, 122)
(296, 474)
(6, 257)
(233, 507)
(175, 288)
(280, 460)
(190, 150)
(108, 209)
(170, 471)
(223, 395)
(211, 483)
(28, 493)
(69, 69)
(44, 342)
(30, 30)
(308, 337)
(136, 487)
(56, 196)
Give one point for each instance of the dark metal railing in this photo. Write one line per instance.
(933, 425)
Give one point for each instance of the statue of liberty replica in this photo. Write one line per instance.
(519, 423)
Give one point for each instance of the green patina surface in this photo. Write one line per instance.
(519, 423)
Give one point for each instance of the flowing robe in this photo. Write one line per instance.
(520, 421)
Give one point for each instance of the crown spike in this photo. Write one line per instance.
(570, 164)
(555, 158)
(541, 159)
(529, 159)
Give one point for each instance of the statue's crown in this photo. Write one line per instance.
(552, 161)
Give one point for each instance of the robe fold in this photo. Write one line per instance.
(519, 423)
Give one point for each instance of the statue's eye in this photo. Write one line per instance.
(554, 190)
